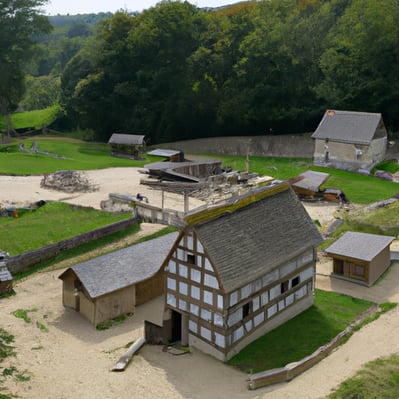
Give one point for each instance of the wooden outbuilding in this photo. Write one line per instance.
(360, 257)
(307, 184)
(239, 269)
(113, 284)
(127, 145)
(350, 140)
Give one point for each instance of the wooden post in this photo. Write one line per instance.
(186, 205)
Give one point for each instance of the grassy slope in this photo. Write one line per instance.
(302, 335)
(35, 119)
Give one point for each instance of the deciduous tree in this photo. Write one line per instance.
(20, 20)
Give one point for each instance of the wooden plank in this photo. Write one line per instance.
(124, 360)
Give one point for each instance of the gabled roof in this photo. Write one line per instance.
(361, 246)
(254, 233)
(122, 268)
(310, 180)
(348, 127)
(131, 139)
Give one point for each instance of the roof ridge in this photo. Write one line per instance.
(233, 204)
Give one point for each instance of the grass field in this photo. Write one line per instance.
(31, 119)
(54, 222)
(376, 379)
(76, 155)
(302, 335)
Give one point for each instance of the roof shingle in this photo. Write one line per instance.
(124, 267)
(348, 127)
(362, 246)
(254, 239)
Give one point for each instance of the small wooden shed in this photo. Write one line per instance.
(127, 145)
(307, 184)
(113, 284)
(360, 257)
(350, 140)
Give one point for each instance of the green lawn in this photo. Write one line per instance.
(31, 119)
(360, 189)
(78, 155)
(302, 335)
(376, 379)
(54, 222)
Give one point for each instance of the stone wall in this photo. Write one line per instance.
(290, 145)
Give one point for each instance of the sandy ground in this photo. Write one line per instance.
(73, 359)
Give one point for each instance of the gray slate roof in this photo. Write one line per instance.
(161, 152)
(348, 127)
(122, 268)
(253, 240)
(130, 139)
(361, 246)
(311, 180)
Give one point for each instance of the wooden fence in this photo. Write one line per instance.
(292, 370)
(23, 262)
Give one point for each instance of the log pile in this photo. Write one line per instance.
(68, 181)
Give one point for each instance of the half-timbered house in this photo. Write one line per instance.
(239, 269)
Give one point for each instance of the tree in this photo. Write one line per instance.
(20, 21)
(361, 64)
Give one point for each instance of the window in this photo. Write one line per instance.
(191, 259)
(284, 286)
(246, 309)
(295, 281)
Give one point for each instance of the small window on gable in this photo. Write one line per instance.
(295, 281)
(246, 309)
(284, 286)
(191, 259)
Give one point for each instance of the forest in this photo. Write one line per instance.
(176, 71)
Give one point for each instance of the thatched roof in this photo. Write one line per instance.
(128, 139)
(349, 127)
(122, 268)
(254, 234)
(361, 246)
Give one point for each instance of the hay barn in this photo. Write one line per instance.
(127, 145)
